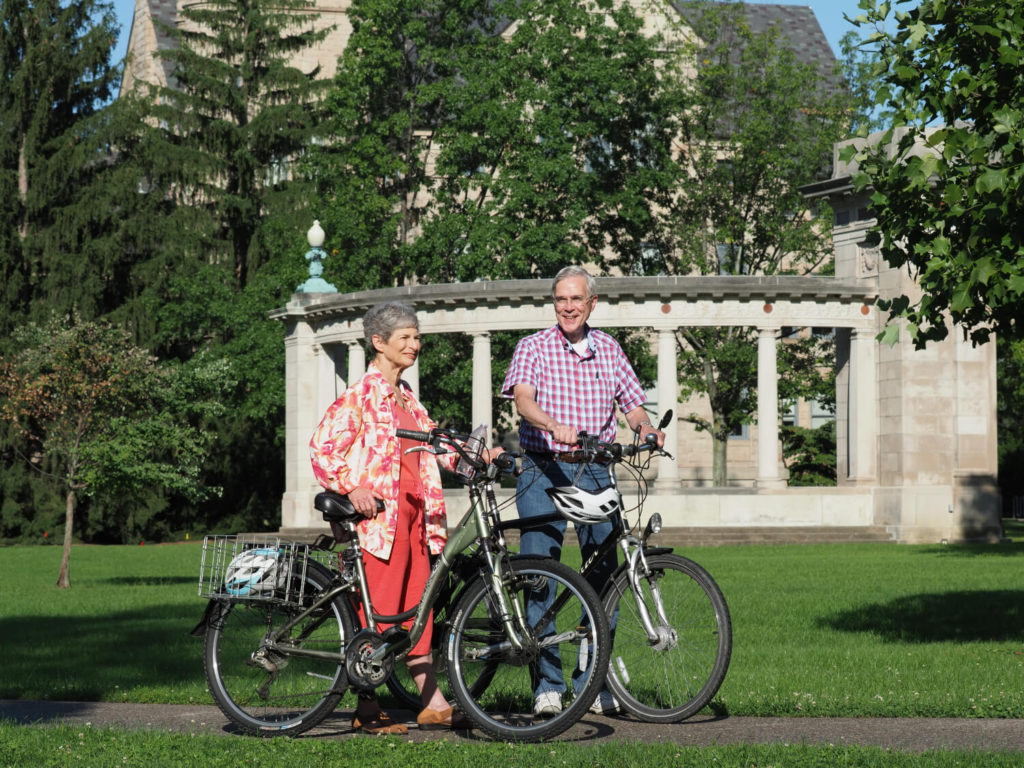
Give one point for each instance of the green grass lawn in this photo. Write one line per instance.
(62, 746)
(837, 630)
(840, 630)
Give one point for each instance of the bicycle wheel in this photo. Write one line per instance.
(670, 679)
(403, 690)
(269, 692)
(494, 683)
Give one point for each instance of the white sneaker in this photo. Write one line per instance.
(604, 704)
(547, 704)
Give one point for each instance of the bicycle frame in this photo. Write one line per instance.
(474, 528)
(634, 550)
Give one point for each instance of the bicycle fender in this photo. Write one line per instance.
(200, 629)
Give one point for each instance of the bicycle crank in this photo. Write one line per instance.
(367, 668)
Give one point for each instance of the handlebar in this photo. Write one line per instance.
(589, 445)
(441, 440)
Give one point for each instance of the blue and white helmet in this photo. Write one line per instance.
(253, 572)
(587, 507)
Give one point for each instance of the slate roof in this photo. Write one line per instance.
(797, 24)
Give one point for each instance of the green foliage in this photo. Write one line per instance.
(946, 179)
(236, 118)
(810, 454)
(489, 140)
(756, 125)
(1010, 415)
(101, 418)
(67, 180)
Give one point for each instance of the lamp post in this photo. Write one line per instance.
(315, 256)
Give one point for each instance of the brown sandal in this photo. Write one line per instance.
(431, 719)
(381, 725)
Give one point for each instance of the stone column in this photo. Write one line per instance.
(301, 417)
(327, 376)
(482, 383)
(863, 408)
(767, 410)
(668, 396)
(356, 361)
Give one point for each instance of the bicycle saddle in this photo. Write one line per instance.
(335, 507)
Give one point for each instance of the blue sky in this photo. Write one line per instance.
(828, 12)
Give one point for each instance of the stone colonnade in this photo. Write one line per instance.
(324, 350)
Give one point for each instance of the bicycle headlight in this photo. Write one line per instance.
(653, 525)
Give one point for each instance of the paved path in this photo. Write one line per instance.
(904, 734)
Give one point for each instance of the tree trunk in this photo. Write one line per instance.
(719, 465)
(64, 577)
(23, 186)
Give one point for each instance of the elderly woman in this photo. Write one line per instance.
(355, 451)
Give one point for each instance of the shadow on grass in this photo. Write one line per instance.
(1013, 548)
(91, 658)
(149, 581)
(964, 617)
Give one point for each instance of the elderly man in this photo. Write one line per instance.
(565, 380)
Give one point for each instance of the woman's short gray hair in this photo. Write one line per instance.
(574, 271)
(386, 318)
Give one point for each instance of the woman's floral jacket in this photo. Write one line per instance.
(356, 445)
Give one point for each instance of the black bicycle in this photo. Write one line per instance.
(673, 632)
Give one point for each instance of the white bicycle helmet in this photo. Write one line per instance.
(253, 572)
(587, 507)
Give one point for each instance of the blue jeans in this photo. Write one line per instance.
(531, 501)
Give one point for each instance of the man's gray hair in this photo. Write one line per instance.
(386, 318)
(574, 271)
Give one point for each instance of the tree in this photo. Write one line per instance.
(100, 417)
(755, 126)
(491, 140)
(946, 180)
(234, 120)
(63, 188)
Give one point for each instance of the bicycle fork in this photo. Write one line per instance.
(661, 635)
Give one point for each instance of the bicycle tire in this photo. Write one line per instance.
(403, 690)
(300, 691)
(474, 652)
(672, 680)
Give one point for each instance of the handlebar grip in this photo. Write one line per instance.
(504, 461)
(413, 434)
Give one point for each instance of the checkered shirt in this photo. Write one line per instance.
(579, 391)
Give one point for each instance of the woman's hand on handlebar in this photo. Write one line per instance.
(490, 454)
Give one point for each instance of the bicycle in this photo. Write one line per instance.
(672, 633)
(672, 641)
(282, 642)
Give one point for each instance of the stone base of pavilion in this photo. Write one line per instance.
(970, 512)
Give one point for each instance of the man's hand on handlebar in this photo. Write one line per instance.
(647, 432)
(563, 433)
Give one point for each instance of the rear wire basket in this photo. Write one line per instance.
(283, 580)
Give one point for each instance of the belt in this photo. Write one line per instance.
(569, 457)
